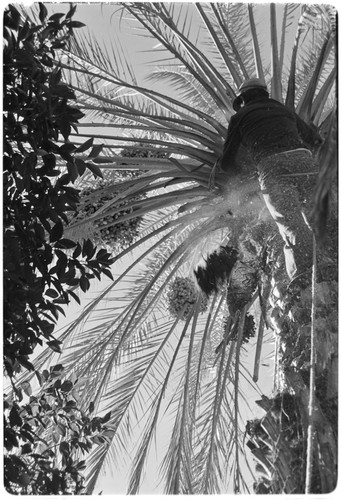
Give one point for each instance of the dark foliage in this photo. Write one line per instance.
(279, 438)
(33, 466)
(254, 428)
(327, 402)
(217, 270)
(39, 269)
(249, 330)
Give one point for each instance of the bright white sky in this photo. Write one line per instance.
(104, 21)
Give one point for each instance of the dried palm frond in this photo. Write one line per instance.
(217, 270)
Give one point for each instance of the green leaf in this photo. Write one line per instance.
(65, 128)
(81, 465)
(24, 479)
(84, 283)
(63, 180)
(61, 429)
(107, 273)
(56, 370)
(106, 418)
(64, 448)
(14, 417)
(71, 12)
(56, 17)
(51, 292)
(24, 31)
(49, 161)
(55, 345)
(81, 166)
(39, 378)
(26, 387)
(74, 296)
(57, 384)
(26, 449)
(42, 12)
(65, 243)
(70, 405)
(57, 231)
(72, 170)
(74, 115)
(96, 150)
(76, 24)
(65, 151)
(87, 144)
(24, 58)
(89, 249)
(95, 170)
(55, 76)
(77, 251)
(47, 327)
(66, 386)
(65, 92)
(102, 254)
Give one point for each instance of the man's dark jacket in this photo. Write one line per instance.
(266, 127)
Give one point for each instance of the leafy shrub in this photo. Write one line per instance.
(34, 466)
(42, 268)
(39, 275)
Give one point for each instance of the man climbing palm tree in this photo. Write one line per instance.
(281, 145)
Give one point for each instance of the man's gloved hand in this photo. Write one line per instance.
(317, 140)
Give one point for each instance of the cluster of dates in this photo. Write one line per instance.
(182, 295)
(117, 235)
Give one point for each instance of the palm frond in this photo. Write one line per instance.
(276, 82)
(255, 44)
(305, 104)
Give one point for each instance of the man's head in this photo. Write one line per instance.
(250, 90)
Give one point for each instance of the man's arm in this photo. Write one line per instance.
(227, 160)
(308, 133)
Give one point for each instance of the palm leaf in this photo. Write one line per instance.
(276, 81)
(305, 104)
(255, 43)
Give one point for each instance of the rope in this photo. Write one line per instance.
(311, 409)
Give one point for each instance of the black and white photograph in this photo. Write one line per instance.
(170, 248)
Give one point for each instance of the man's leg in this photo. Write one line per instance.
(283, 201)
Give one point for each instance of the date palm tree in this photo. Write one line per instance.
(153, 346)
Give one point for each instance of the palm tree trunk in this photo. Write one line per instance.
(290, 318)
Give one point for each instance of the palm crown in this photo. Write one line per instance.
(136, 352)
